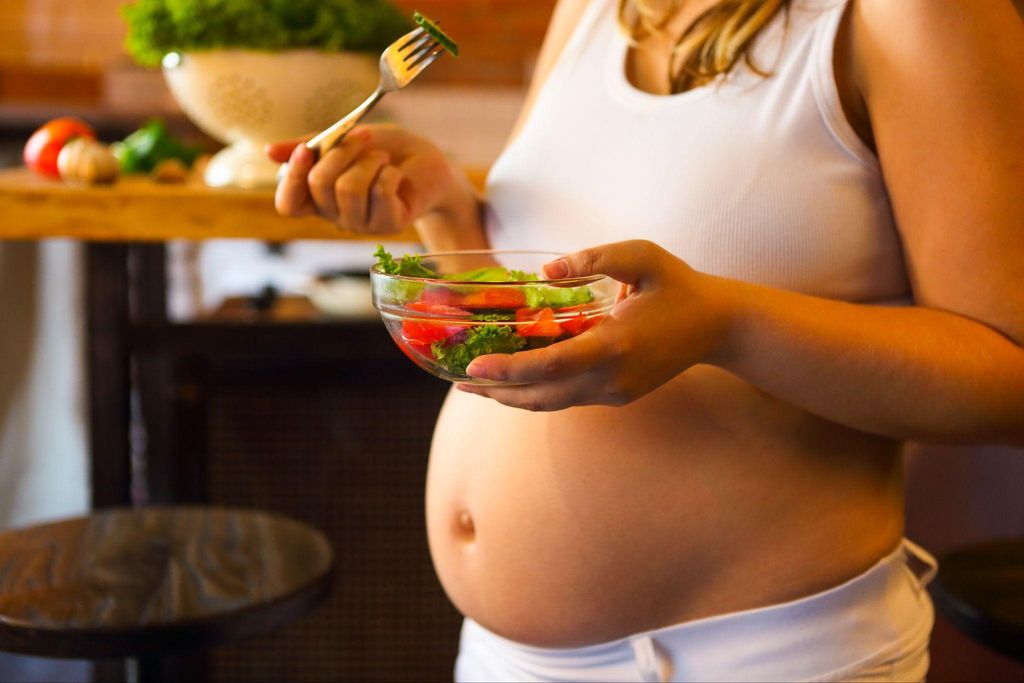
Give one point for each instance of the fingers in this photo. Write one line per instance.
(293, 197)
(377, 180)
(565, 359)
(282, 151)
(387, 208)
(327, 173)
(538, 397)
(634, 262)
(352, 190)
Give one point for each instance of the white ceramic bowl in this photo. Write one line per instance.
(247, 98)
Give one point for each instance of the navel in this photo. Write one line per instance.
(465, 526)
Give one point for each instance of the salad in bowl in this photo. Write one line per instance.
(445, 309)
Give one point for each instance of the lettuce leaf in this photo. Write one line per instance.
(536, 297)
(409, 265)
(156, 27)
(479, 341)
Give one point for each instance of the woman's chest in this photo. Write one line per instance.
(731, 193)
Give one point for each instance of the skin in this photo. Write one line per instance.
(741, 448)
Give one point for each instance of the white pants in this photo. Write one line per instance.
(874, 627)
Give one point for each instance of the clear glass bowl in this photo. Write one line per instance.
(443, 323)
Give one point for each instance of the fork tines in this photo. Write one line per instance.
(430, 52)
(413, 37)
(425, 43)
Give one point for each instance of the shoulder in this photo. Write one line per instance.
(939, 41)
(941, 81)
(564, 18)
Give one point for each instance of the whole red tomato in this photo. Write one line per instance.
(44, 146)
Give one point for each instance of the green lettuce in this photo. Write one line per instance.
(536, 297)
(156, 27)
(409, 265)
(480, 341)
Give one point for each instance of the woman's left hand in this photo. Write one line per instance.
(670, 318)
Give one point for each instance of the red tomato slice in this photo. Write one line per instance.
(439, 295)
(576, 325)
(493, 297)
(420, 334)
(411, 349)
(43, 148)
(544, 325)
(438, 309)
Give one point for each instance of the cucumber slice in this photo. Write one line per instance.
(433, 29)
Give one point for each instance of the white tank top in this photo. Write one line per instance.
(753, 178)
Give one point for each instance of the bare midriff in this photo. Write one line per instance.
(704, 497)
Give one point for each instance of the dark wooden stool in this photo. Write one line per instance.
(152, 583)
(981, 590)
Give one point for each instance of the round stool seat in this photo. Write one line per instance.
(155, 581)
(981, 590)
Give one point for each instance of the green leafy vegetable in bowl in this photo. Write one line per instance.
(478, 341)
(443, 317)
(157, 27)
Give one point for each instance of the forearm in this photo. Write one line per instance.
(457, 221)
(907, 373)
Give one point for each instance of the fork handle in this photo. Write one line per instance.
(324, 141)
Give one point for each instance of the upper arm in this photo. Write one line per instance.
(563, 20)
(942, 80)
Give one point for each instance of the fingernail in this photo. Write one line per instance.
(484, 370)
(477, 369)
(301, 154)
(361, 134)
(556, 269)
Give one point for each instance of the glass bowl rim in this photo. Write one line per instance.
(562, 281)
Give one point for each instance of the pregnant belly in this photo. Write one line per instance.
(706, 496)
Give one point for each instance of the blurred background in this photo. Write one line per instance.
(294, 424)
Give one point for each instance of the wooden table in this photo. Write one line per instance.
(136, 209)
(125, 225)
(151, 584)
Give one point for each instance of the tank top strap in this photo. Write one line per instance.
(826, 91)
(582, 34)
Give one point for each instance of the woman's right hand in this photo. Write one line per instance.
(378, 180)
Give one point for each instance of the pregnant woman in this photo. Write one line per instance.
(818, 209)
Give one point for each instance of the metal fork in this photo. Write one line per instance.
(400, 62)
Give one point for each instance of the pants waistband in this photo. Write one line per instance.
(872, 614)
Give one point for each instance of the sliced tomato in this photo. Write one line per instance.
(420, 334)
(541, 323)
(412, 349)
(576, 325)
(439, 295)
(43, 148)
(493, 298)
(580, 323)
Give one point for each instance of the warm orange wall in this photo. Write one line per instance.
(72, 34)
(38, 37)
(499, 38)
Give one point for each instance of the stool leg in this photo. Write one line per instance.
(145, 670)
(131, 670)
(154, 669)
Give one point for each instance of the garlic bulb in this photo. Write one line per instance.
(170, 171)
(87, 161)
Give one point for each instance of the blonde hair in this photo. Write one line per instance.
(712, 44)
